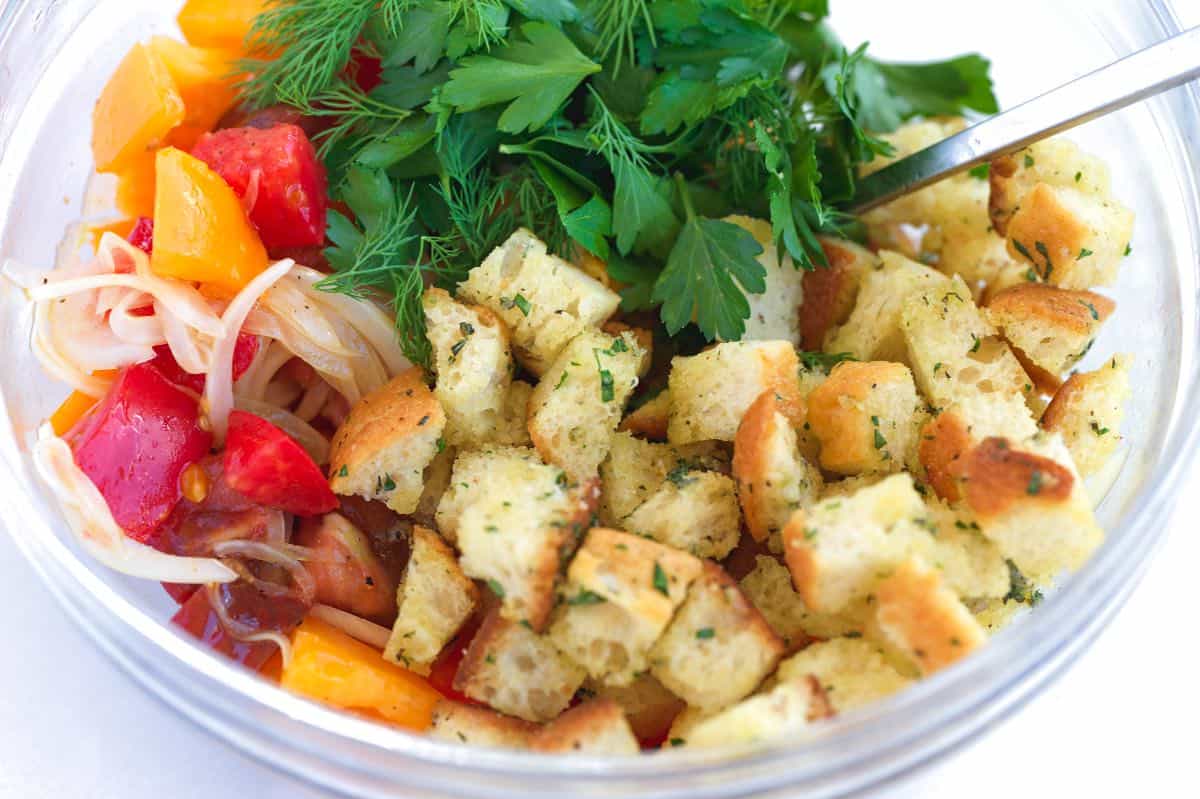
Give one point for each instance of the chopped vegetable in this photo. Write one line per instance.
(223, 24)
(142, 235)
(348, 573)
(269, 467)
(196, 616)
(139, 106)
(204, 79)
(243, 355)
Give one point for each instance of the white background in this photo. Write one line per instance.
(1121, 723)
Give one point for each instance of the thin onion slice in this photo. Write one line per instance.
(91, 521)
(356, 627)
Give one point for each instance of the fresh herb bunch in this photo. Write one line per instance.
(623, 128)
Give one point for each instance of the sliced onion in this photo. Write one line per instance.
(266, 364)
(293, 308)
(315, 444)
(314, 400)
(179, 298)
(354, 626)
(91, 521)
(131, 327)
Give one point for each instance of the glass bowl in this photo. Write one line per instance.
(55, 57)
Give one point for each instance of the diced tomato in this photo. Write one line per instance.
(278, 175)
(244, 350)
(441, 674)
(347, 572)
(265, 464)
(272, 115)
(180, 592)
(136, 442)
(142, 235)
(365, 70)
(198, 617)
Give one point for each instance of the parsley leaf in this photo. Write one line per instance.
(660, 582)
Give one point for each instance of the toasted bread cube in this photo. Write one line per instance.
(1028, 498)
(971, 565)
(867, 417)
(437, 480)
(958, 359)
(615, 604)
(635, 469)
(774, 478)
(545, 301)
(513, 427)
(470, 479)
(458, 722)
(853, 672)
(1087, 413)
(575, 409)
(831, 290)
(922, 617)
(1055, 162)
(598, 727)
(873, 331)
(391, 435)
(769, 587)
(473, 363)
(651, 419)
(694, 511)
(1052, 327)
(710, 392)
(837, 549)
(649, 707)
(773, 313)
(434, 599)
(514, 670)
(783, 711)
(718, 648)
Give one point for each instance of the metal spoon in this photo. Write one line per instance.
(1163, 66)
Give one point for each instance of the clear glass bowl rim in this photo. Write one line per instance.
(876, 743)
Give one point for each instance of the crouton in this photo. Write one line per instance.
(576, 407)
(710, 392)
(919, 615)
(773, 313)
(852, 671)
(545, 301)
(515, 520)
(598, 727)
(434, 599)
(1087, 413)
(774, 479)
(635, 469)
(1028, 498)
(873, 331)
(831, 290)
(783, 711)
(1056, 162)
(651, 419)
(458, 722)
(971, 565)
(391, 435)
(958, 359)
(513, 427)
(621, 593)
(514, 670)
(769, 587)
(473, 364)
(437, 480)
(867, 417)
(649, 707)
(838, 548)
(1052, 327)
(718, 648)
(695, 511)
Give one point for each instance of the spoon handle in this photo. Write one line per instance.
(1148, 72)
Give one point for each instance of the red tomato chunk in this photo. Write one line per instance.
(277, 172)
(244, 351)
(266, 465)
(198, 618)
(142, 235)
(134, 445)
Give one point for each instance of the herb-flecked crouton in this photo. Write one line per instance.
(830, 290)
(773, 315)
(783, 711)
(696, 511)
(1052, 327)
(1087, 413)
(458, 722)
(852, 671)
(597, 727)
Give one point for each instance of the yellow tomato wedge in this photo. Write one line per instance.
(331, 667)
(200, 230)
(135, 186)
(139, 106)
(219, 23)
(205, 80)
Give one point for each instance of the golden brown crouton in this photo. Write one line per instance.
(774, 479)
(597, 727)
(576, 407)
(516, 671)
(867, 417)
(635, 469)
(391, 435)
(783, 711)
(769, 587)
(458, 722)
(544, 300)
(473, 364)
(852, 671)
(718, 648)
(710, 392)
(513, 427)
(651, 419)
(945, 440)
(434, 599)
(923, 618)
(649, 706)
(696, 511)
(1055, 162)
(971, 565)
(830, 291)
(621, 593)
(773, 312)
(873, 331)
(1052, 327)
(1087, 412)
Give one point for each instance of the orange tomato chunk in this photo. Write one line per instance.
(71, 411)
(139, 106)
(219, 23)
(331, 667)
(205, 80)
(200, 230)
(135, 186)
